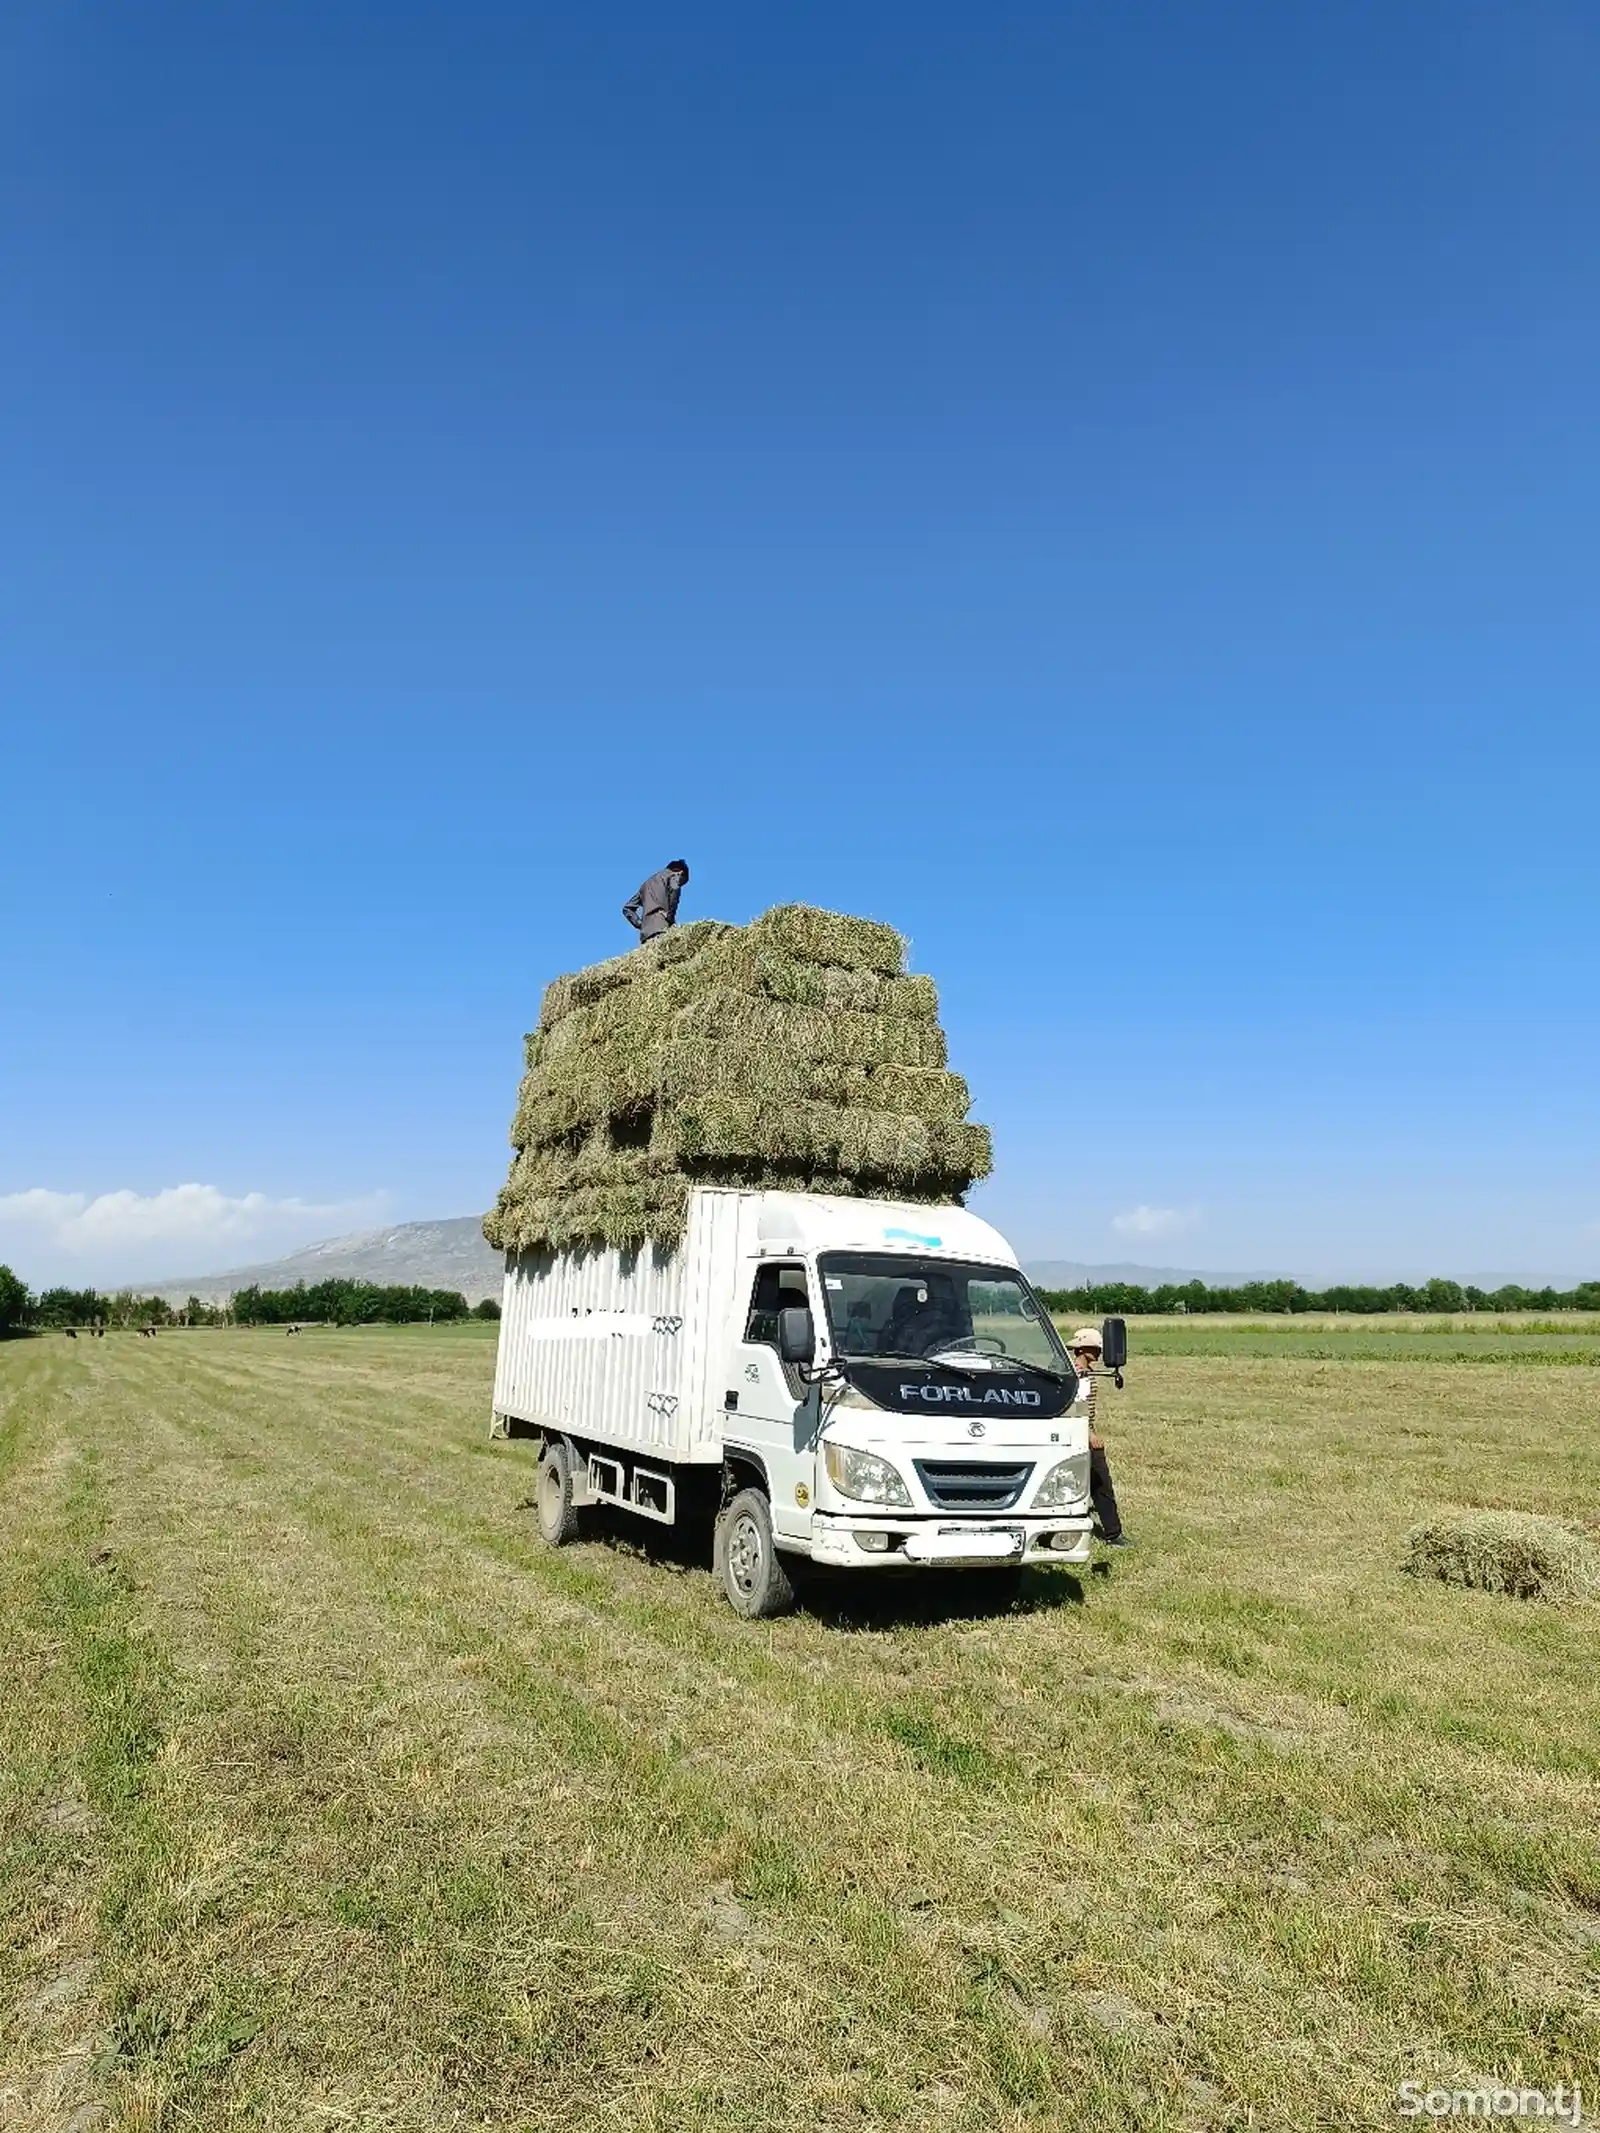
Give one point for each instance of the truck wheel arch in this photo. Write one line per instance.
(743, 1470)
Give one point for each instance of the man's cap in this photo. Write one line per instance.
(678, 866)
(1087, 1337)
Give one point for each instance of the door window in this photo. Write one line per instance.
(778, 1287)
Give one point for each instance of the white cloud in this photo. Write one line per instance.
(191, 1223)
(1156, 1221)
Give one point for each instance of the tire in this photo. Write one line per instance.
(552, 1491)
(748, 1563)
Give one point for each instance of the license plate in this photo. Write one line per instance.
(986, 1540)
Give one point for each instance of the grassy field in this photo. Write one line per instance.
(1565, 1338)
(332, 1799)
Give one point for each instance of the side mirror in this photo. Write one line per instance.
(1114, 1333)
(797, 1337)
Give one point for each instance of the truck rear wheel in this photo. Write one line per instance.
(558, 1514)
(748, 1563)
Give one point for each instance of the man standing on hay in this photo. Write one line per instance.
(653, 907)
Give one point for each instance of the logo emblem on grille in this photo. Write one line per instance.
(975, 1429)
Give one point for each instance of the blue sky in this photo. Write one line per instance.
(1111, 490)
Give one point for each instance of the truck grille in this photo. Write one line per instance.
(972, 1484)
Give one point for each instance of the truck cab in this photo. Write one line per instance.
(899, 1398)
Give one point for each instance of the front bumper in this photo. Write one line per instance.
(847, 1540)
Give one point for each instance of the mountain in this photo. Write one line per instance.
(453, 1255)
(429, 1255)
(1072, 1274)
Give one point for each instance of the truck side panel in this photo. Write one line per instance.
(624, 1348)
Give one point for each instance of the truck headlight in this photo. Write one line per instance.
(865, 1476)
(1066, 1483)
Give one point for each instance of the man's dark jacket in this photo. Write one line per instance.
(655, 905)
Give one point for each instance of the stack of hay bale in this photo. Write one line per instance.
(793, 1052)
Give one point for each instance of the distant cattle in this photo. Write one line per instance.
(72, 1333)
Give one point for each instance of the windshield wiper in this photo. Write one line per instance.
(968, 1359)
(955, 1358)
(878, 1355)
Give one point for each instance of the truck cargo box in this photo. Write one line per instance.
(624, 1347)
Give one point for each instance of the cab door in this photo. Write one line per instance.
(769, 1411)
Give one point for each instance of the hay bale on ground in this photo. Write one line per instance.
(796, 1051)
(1514, 1552)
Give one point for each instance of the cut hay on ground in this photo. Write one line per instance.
(793, 1052)
(1513, 1552)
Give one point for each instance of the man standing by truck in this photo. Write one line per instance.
(1086, 1353)
(653, 907)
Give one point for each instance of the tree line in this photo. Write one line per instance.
(14, 1302)
(339, 1303)
(357, 1303)
(1128, 1300)
(347, 1303)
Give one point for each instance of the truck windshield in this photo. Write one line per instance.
(881, 1305)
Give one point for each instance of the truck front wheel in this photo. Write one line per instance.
(748, 1563)
(558, 1514)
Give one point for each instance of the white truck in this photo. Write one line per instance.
(860, 1383)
